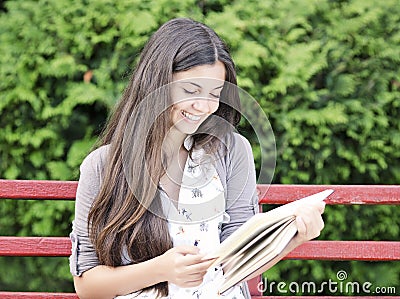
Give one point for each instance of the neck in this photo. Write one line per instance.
(173, 142)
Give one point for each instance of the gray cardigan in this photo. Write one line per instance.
(237, 173)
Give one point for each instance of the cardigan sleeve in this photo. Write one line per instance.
(83, 255)
(240, 190)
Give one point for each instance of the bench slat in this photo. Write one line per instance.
(31, 189)
(269, 194)
(314, 250)
(344, 194)
(36, 295)
(348, 250)
(313, 297)
(35, 246)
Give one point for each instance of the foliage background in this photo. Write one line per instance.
(325, 72)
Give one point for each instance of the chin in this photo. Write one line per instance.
(187, 130)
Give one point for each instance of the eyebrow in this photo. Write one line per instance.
(199, 86)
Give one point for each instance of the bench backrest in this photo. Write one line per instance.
(274, 194)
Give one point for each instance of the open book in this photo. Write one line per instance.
(259, 240)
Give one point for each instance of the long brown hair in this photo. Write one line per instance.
(119, 219)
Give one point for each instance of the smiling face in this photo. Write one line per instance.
(195, 95)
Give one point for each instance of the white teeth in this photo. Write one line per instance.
(191, 116)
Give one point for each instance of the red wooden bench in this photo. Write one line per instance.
(277, 194)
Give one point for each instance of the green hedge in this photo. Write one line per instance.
(325, 72)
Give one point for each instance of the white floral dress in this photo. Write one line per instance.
(197, 221)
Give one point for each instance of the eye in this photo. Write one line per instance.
(190, 91)
(217, 96)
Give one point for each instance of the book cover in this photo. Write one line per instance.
(259, 240)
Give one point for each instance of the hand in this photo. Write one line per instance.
(182, 265)
(309, 221)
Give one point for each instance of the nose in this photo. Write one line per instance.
(202, 105)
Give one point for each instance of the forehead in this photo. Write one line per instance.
(208, 74)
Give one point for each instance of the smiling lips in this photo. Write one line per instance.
(191, 116)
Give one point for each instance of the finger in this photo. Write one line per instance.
(301, 226)
(188, 277)
(205, 258)
(187, 249)
(195, 276)
(314, 226)
(204, 264)
(191, 284)
(196, 264)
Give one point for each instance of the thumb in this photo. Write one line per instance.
(321, 207)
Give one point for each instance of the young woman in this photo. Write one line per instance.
(170, 179)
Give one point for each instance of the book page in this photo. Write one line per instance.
(247, 232)
(269, 231)
(259, 260)
(262, 245)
